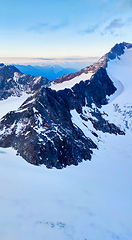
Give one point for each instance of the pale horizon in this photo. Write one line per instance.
(64, 62)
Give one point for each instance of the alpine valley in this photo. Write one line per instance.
(86, 115)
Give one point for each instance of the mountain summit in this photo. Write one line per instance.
(15, 83)
(60, 125)
(114, 53)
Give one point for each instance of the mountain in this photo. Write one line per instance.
(15, 83)
(50, 72)
(86, 72)
(92, 200)
(62, 127)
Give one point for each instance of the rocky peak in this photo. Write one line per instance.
(1, 64)
(15, 83)
(118, 50)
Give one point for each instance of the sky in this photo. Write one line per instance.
(63, 29)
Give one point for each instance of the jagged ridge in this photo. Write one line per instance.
(15, 83)
(116, 51)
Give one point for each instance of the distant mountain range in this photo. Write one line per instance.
(50, 72)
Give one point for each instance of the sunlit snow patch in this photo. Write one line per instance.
(11, 104)
(120, 72)
(85, 125)
(72, 82)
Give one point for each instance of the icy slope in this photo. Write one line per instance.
(11, 104)
(121, 69)
(91, 201)
(120, 109)
(72, 82)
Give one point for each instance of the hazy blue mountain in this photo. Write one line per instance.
(50, 72)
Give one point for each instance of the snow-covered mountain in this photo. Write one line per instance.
(61, 127)
(69, 80)
(15, 83)
(93, 200)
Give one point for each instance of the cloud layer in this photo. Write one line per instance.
(42, 27)
(116, 23)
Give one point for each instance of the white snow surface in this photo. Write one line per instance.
(119, 109)
(85, 126)
(16, 76)
(11, 104)
(121, 71)
(90, 201)
(72, 82)
(119, 86)
(37, 79)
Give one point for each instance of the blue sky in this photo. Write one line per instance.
(56, 28)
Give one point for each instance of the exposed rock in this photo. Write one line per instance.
(15, 83)
(118, 50)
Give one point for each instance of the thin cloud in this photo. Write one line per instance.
(127, 4)
(89, 30)
(57, 26)
(129, 21)
(67, 59)
(115, 27)
(116, 23)
(42, 27)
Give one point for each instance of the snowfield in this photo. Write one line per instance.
(12, 103)
(72, 82)
(120, 109)
(121, 70)
(92, 201)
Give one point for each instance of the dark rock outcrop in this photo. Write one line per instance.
(118, 50)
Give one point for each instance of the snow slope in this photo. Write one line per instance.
(72, 82)
(121, 70)
(91, 201)
(120, 109)
(12, 103)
